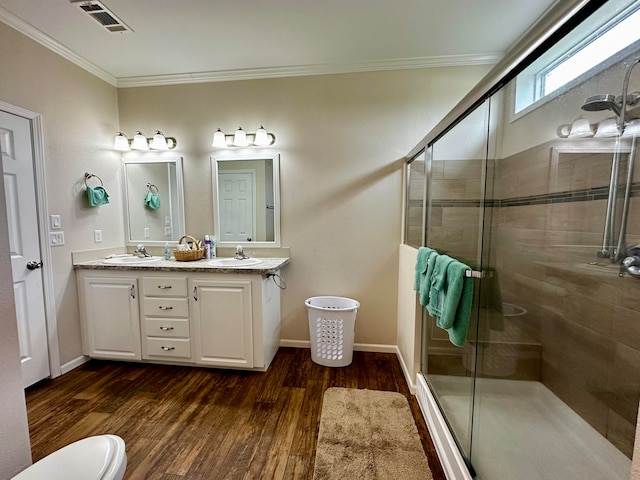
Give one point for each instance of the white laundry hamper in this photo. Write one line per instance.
(332, 325)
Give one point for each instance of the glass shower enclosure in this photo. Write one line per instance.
(544, 204)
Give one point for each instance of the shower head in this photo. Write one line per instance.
(596, 103)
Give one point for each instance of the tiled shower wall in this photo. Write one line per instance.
(580, 333)
(547, 227)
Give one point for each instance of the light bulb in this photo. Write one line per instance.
(261, 139)
(121, 143)
(159, 141)
(240, 138)
(139, 142)
(219, 139)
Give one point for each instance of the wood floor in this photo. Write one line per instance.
(203, 424)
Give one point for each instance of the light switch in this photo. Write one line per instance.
(97, 236)
(168, 231)
(56, 239)
(147, 232)
(56, 224)
(167, 221)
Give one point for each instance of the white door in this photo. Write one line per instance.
(24, 245)
(237, 206)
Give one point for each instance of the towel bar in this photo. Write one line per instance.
(477, 274)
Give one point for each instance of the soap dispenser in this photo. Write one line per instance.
(167, 251)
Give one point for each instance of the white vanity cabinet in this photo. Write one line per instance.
(227, 320)
(166, 332)
(109, 306)
(222, 322)
(235, 320)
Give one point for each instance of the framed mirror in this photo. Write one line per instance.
(246, 195)
(154, 200)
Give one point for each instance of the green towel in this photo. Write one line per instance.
(456, 308)
(97, 196)
(152, 201)
(437, 290)
(424, 269)
(421, 266)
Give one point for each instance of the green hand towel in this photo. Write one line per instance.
(456, 308)
(437, 290)
(97, 196)
(152, 201)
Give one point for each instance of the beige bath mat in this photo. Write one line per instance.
(368, 434)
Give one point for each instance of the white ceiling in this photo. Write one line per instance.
(177, 41)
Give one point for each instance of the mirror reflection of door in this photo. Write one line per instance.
(237, 200)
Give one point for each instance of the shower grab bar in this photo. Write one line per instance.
(619, 253)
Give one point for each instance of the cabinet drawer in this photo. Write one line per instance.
(160, 327)
(168, 347)
(166, 307)
(164, 286)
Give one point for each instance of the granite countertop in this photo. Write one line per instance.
(268, 265)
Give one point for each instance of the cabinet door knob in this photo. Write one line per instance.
(164, 287)
(162, 307)
(166, 329)
(168, 349)
(132, 291)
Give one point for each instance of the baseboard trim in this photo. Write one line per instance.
(450, 458)
(75, 363)
(406, 373)
(359, 347)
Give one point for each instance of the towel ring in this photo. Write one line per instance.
(150, 186)
(88, 175)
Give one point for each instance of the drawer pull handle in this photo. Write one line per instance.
(164, 287)
(166, 329)
(168, 349)
(162, 307)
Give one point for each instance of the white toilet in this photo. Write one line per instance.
(94, 458)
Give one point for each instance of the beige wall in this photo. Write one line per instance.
(341, 140)
(80, 116)
(409, 315)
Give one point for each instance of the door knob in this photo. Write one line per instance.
(32, 265)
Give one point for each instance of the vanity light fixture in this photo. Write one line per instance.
(140, 142)
(240, 138)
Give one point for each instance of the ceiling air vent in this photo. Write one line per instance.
(102, 15)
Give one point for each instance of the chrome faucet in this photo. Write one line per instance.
(140, 251)
(240, 253)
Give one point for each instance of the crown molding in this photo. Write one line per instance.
(309, 70)
(43, 39)
(242, 74)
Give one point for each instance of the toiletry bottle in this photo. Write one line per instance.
(207, 247)
(167, 251)
(213, 246)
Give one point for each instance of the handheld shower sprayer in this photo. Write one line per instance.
(618, 104)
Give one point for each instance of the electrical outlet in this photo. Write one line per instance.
(56, 224)
(168, 231)
(56, 239)
(147, 232)
(97, 236)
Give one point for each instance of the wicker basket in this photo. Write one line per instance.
(195, 253)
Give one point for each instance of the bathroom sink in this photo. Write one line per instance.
(234, 262)
(130, 260)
